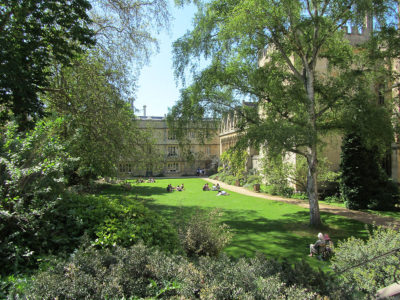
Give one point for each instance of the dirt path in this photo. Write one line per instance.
(353, 214)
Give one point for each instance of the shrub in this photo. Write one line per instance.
(364, 183)
(203, 235)
(253, 179)
(333, 199)
(256, 278)
(108, 273)
(119, 221)
(367, 266)
(32, 181)
(143, 272)
(301, 196)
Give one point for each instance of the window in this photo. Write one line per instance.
(172, 151)
(208, 150)
(173, 167)
(171, 135)
(125, 168)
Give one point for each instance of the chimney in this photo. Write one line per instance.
(144, 110)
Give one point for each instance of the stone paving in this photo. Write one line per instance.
(353, 214)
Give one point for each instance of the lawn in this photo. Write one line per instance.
(277, 229)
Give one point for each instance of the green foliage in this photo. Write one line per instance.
(32, 182)
(325, 176)
(34, 34)
(203, 235)
(100, 129)
(275, 53)
(116, 221)
(253, 179)
(142, 272)
(277, 175)
(366, 266)
(256, 278)
(364, 183)
(38, 217)
(114, 273)
(234, 163)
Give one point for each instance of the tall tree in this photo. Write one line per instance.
(126, 33)
(100, 127)
(294, 60)
(33, 33)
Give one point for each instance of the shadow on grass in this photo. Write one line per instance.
(285, 238)
(136, 190)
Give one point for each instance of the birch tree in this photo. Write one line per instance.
(269, 52)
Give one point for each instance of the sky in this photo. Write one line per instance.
(157, 88)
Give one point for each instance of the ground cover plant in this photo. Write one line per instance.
(277, 229)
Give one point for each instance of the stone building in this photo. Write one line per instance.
(173, 159)
(228, 136)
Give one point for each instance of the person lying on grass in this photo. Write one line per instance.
(222, 193)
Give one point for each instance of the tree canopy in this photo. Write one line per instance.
(99, 126)
(293, 59)
(33, 34)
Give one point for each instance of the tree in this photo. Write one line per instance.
(34, 33)
(297, 102)
(100, 128)
(364, 184)
(125, 33)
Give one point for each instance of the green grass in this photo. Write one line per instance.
(393, 214)
(277, 229)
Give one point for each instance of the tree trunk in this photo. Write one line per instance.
(312, 185)
(312, 188)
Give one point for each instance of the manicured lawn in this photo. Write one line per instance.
(277, 229)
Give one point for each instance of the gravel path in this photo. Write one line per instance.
(352, 214)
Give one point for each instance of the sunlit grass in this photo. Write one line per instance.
(277, 229)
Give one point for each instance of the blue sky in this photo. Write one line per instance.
(156, 86)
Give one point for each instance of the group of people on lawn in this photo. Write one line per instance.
(141, 180)
(178, 188)
(216, 187)
(206, 187)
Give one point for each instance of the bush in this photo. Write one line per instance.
(105, 220)
(108, 273)
(333, 199)
(368, 265)
(32, 182)
(364, 183)
(255, 278)
(143, 272)
(119, 221)
(203, 235)
(301, 196)
(253, 179)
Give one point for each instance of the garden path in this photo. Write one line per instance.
(353, 214)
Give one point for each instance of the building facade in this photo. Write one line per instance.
(229, 134)
(170, 158)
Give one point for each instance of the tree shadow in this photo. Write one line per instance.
(287, 238)
(135, 190)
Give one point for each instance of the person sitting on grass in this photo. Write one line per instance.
(169, 188)
(206, 187)
(314, 248)
(222, 193)
(216, 187)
